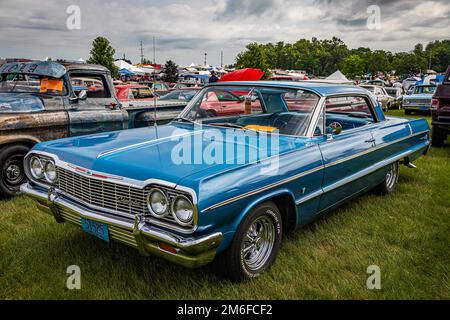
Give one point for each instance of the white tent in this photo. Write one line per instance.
(338, 76)
(121, 64)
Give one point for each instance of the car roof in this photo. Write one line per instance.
(321, 88)
(48, 68)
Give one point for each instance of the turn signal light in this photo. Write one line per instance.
(165, 247)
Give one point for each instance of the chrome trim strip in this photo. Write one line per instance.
(273, 185)
(316, 193)
(373, 149)
(372, 169)
(315, 117)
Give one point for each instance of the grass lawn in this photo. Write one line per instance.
(406, 234)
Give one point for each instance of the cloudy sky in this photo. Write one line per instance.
(185, 30)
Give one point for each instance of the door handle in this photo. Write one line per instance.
(370, 141)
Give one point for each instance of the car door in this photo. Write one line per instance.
(98, 111)
(346, 154)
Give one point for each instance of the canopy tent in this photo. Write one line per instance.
(338, 75)
(248, 74)
(121, 64)
(126, 72)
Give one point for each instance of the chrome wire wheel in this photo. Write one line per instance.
(392, 176)
(258, 243)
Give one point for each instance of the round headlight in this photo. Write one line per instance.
(158, 203)
(50, 171)
(183, 210)
(36, 168)
(406, 101)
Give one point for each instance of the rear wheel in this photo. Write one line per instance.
(438, 136)
(390, 181)
(255, 244)
(12, 173)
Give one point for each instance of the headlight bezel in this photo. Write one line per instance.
(188, 223)
(46, 172)
(30, 166)
(44, 179)
(170, 220)
(149, 206)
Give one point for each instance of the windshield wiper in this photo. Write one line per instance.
(183, 119)
(228, 125)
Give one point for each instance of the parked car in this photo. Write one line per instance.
(226, 187)
(419, 100)
(42, 101)
(382, 96)
(131, 93)
(185, 95)
(407, 83)
(378, 83)
(397, 94)
(160, 88)
(441, 112)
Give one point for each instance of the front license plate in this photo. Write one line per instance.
(97, 229)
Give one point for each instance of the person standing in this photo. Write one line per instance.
(213, 77)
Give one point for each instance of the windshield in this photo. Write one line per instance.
(183, 95)
(286, 111)
(425, 90)
(23, 83)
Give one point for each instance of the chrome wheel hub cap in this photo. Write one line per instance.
(391, 177)
(258, 243)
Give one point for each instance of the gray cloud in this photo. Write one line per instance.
(185, 29)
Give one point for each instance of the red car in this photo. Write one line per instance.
(134, 92)
(226, 103)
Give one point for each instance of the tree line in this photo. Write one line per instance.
(323, 57)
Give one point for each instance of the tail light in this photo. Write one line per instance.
(435, 103)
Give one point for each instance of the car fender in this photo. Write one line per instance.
(261, 199)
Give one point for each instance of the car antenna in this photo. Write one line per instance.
(155, 122)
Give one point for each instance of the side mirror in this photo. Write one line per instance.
(82, 95)
(334, 128)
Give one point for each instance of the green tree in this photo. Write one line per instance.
(254, 57)
(102, 53)
(353, 66)
(171, 72)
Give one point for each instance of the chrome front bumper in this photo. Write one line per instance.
(189, 252)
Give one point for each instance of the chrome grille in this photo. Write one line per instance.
(421, 101)
(103, 194)
(113, 197)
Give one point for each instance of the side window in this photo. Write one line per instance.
(348, 112)
(95, 85)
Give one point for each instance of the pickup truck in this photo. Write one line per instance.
(441, 112)
(41, 101)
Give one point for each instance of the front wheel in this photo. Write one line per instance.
(255, 244)
(12, 173)
(390, 181)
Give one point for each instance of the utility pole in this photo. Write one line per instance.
(206, 55)
(154, 51)
(221, 59)
(142, 53)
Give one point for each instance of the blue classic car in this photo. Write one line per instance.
(420, 99)
(228, 185)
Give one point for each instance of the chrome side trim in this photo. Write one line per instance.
(270, 186)
(319, 192)
(373, 149)
(372, 169)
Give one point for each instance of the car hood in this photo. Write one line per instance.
(171, 152)
(19, 102)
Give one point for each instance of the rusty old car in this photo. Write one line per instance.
(41, 101)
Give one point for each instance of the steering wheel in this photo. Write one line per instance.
(335, 127)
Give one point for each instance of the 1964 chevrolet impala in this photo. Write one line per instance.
(207, 186)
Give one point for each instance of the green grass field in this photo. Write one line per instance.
(407, 234)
